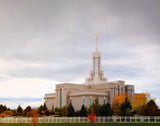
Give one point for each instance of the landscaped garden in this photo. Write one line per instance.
(123, 112)
(84, 124)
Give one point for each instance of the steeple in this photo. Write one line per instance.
(96, 74)
(96, 40)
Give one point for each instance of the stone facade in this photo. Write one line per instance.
(96, 86)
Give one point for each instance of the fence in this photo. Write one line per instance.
(109, 119)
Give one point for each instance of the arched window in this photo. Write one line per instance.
(118, 89)
(121, 90)
(114, 91)
(60, 105)
(104, 100)
(94, 66)
(71, 100)
(83, 101)
(90, 102)
(98, 65)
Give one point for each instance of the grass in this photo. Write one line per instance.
(83, 124)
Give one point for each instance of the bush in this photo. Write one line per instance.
(47, 113)
(58, 111)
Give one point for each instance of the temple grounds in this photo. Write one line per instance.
(83, 124)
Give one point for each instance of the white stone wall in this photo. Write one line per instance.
(76, 92)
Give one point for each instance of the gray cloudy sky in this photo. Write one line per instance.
(44, 42)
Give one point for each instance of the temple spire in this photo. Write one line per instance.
(96, 74)
(96, 40)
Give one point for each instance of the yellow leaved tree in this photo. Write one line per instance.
(116, 104)
(140, 100)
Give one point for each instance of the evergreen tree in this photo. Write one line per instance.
(151, 102)
(52, 110)
(126, 106)
(40, 109)
(28, 109)
(105, 110)
(96, 106)
(83, 111)
(19, 109)
(70, 110)
(44, 107)
(3, 108)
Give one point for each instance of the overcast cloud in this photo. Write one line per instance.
(45, 42)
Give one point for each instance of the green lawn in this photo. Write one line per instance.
(84, 124)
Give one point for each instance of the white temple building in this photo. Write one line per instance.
(96, 86)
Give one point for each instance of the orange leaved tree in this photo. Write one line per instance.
(34, 119)
(92, 117)
(117, 102)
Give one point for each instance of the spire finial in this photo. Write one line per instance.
(96, 40)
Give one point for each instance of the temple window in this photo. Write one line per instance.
(114, 91)
(90, 102)
(83, 101)
(104, 100)
(60, 105)
(121, 90)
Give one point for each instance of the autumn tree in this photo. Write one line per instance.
(6, 113)
(58, 111)
(116, 104)
(92, 117)
(64, 111)
(143, 110)
(34, 119)
(140, 101)
(152, 108)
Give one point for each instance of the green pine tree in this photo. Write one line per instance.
(19, 109)
(83, 111)
(40, 109)
(126, 108)
(96, 106)
(44, 107)
(105, 110)
(28, 109)
(70, 110)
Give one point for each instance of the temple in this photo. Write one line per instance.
(96, 86)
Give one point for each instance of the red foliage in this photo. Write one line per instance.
(92, 117)
(34, 119)
(152, 110)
